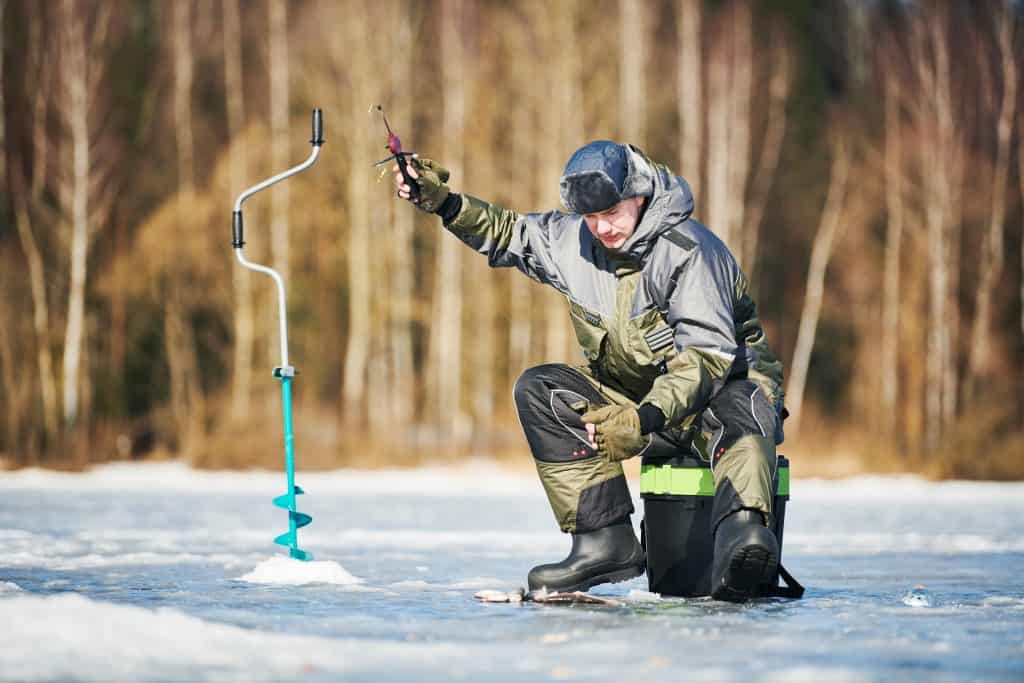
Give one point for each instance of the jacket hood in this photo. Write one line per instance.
(670, 204)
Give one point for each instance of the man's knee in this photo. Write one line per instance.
(534, 381)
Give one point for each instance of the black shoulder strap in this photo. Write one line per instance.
(792, 589)
(679, 239)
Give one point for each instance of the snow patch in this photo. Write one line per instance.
(10, 587)
(285, 571)
(473, 478)
(70, 637)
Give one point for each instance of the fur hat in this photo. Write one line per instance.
(602, 174)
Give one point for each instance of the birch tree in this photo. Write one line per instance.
(402, 392)
(26, 195)
(75, 75)
(690, 92)
(779, 81)
(821, 253)
(893, 246)
(940, 159)
(244, 323)
(183, 365)
(446, 343)
(633, 42)
(361, 265)
(279, 132)
(979, 358)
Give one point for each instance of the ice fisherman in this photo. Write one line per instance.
(676, 359)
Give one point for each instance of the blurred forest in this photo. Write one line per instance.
(861, 158)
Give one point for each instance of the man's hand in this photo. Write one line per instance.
(615, 432)
(430, 178)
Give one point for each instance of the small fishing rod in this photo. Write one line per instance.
(284, 372)
(400, 157)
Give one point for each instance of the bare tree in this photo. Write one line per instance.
(279, 133)
(244, 323)
(690, 92)
(993, 245)
(893, 244)
(821, 252)
(941, 158)
(446, 344)
(633, 42)
(730, 77)
(75, 74)
(402, 392)
(186, 393)
(771, 149)
(25, 195)
(361, 264)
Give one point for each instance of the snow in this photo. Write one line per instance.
(155, 572)
(285, 571)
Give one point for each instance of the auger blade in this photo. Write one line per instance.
(301, 519)
(283, 500)
(284, 539)
(301, 555)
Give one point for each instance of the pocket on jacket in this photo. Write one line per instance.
(589, 328)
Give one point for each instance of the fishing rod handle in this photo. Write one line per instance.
(403, 166)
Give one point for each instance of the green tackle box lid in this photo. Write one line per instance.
(675, 480)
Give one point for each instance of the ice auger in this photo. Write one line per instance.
(285, 372)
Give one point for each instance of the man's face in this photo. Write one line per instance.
(613, 227)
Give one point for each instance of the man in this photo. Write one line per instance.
(676, 358)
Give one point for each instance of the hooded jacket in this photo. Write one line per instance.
(666, 319)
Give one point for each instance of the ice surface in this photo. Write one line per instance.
(132, 573)
(286, 571)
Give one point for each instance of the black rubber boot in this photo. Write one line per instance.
(607, 555)
(746, 556)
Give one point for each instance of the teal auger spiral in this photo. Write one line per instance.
(296, 519)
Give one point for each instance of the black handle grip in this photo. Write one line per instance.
(318, 127)
(403, 166)
(236, 230)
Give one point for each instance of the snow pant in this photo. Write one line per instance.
(736, 434)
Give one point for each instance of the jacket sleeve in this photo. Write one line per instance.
(700, 312)
(508, 238)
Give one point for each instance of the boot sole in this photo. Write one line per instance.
(749, 568)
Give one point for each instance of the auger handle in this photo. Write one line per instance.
(318, 128)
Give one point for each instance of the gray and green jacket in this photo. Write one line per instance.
(665, 320)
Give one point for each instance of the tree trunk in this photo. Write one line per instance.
(768, 162)
(187, 405)
(893, 244)
(23, 196)
(244, 324)
(821, 252)
(279, 134)
(718, 149)
(75, 72)
(979, 359)
(739, 124)
(632, 67)
(447, 325)
(361, 264)
(402, 265)
(691, 92)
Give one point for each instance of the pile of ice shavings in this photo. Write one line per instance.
(288, 572)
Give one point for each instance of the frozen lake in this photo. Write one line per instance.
(132, 572)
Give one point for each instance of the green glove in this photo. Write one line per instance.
(430, 179)
(618, 432)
